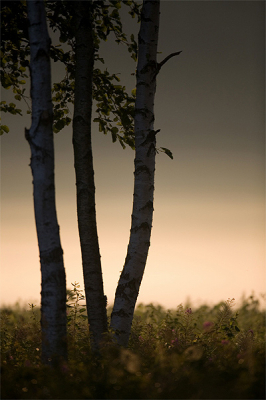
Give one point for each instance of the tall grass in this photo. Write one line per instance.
(187, 353)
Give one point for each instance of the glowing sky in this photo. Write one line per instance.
(208, 237)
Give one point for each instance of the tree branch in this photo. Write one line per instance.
(159, 65)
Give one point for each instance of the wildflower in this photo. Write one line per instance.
(225, 341)
(141, 339)
(174, 342)
(207, 325)
(251, 331)
(188, 311)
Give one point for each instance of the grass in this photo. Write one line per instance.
(203, 353)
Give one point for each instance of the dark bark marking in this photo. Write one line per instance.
(152, 148)
(149, 204)
(132, 285)
(150, 138)
(53, 256)
(141, 169)
(150, 66)
(42, 53)
(145, 226)
(120, 292)
(125, 275)
(142, 111)
(120, 313)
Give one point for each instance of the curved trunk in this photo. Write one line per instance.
(91, 260)
(145, 142)
(40, 138)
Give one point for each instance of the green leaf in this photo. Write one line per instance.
(114, 130)
(167, 152)
(4, 128)
(114, 137)
(59, 125)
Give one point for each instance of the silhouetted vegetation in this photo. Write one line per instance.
(203, 353)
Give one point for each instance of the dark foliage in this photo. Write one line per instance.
(206, 353)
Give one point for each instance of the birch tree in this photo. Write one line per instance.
(91, 23)
(82, 25)
(145, 151)
(40, 138)
(91, 260)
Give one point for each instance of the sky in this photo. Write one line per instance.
(208, 236)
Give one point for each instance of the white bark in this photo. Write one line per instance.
(145, 141)
(40, 138)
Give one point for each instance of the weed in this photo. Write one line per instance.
(204, 353)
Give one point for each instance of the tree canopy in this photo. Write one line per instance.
(114, 105)
(114, 102)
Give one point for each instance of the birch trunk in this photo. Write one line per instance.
(40, 138)
(145, 142)
(91, 260)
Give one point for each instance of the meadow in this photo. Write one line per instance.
(204, 352)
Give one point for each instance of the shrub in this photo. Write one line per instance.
(206, 352)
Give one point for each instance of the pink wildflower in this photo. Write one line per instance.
(174, 342)
(225, 341)
(207, 325)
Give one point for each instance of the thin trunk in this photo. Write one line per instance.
(91, 260)
(40, 138)
(145, 142)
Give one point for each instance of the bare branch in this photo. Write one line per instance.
(159, 65)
